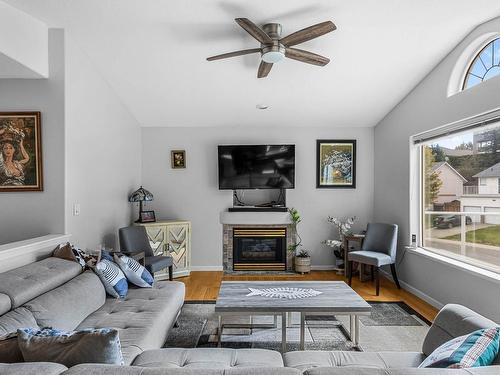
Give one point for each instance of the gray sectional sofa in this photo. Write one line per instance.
(55, 292)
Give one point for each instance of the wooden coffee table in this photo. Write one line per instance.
(336, 297)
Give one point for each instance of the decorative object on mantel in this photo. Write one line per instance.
(178, 159)
(343, 227)
(284, 292)
(142, 195)
(303, 262)
(336, 163)
(20, 152)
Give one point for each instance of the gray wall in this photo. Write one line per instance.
(31, 214)
(193, 194)
(103, 154)
(427, 107)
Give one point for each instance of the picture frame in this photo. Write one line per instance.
(147, 217)
(178, 159)
(21, 167)
(336, 164)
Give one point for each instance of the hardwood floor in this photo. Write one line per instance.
(204, 286)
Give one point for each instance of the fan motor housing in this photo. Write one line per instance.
(273, 30)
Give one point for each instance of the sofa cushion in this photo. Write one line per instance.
(15, 319)
(71, 348)
(209, 358)
(133, 370)
(396, 371)
(9, 349)
(27, 282)
(143, 318)
(304, 360)
(67, 306)
(453, 321)
(32, 368)
(5, 304)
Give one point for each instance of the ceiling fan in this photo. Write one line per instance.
(273, 48)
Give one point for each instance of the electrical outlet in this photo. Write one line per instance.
(76, 209)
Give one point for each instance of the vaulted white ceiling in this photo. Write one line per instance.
(153, 53)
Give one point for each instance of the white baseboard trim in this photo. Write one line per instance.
(206, 268)
(431, 301)
(328, 267)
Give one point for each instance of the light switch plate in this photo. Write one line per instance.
(76, 209)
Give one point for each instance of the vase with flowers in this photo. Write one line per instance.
(343, 227)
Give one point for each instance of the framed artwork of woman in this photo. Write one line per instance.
(20, 152)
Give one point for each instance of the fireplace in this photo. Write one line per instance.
(259, 249)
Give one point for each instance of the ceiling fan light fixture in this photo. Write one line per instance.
(273, 54)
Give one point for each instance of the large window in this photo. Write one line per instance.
(484, 66)
(460, 196)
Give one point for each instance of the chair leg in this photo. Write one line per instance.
(395, 275)
(377, 281)
(372, 274)
(349, 270)
(170, 273)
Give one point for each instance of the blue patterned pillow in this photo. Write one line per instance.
(101, 345)
(479, 348)
(134, 271)
(112, 278)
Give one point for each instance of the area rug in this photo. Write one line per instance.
(391, 327)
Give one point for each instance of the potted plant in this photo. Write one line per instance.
(303, 262)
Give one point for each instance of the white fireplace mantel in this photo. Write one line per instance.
(255, 218)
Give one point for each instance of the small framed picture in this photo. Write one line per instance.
(178, 159)
(336, 163)
(148, 217)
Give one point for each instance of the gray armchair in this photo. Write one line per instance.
(378, 249)
(134, 239)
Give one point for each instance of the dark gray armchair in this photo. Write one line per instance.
(135, 239)
(378, 249)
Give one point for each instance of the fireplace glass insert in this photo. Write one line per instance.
(259, 249)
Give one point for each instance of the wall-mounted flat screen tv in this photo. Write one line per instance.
(256, 167)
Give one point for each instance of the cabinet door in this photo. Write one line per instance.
(178, 243)
(157, 240)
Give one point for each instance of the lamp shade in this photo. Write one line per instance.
(140, 195)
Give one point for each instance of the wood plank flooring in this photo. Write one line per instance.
(204, 286)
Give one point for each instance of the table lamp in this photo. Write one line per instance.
(140, 195)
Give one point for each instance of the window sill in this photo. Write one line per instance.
(469, 268)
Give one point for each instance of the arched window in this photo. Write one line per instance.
(485, 65)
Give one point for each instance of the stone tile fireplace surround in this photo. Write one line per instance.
(268, 220)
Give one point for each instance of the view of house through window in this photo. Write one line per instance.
(461, 196)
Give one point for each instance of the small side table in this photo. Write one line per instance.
(359, 238)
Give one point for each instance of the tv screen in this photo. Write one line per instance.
(257, 167)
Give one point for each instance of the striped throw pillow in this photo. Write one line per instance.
(112, 278)
(134, 271)
(479, 348)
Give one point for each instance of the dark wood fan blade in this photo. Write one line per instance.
(264, 69)
(233, 54)
(254, 30)
(308, 33)
(305, 56)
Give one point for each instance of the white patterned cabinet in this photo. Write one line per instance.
(171, 237)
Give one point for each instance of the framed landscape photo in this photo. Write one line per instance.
(178, 159)
(20, 152)
(336, 163)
